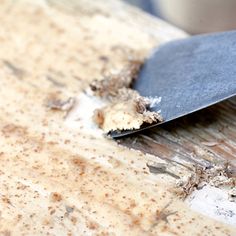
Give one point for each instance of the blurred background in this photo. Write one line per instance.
(193, 16)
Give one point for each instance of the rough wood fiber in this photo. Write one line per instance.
(57, 180)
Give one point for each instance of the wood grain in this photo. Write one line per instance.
(203, 138)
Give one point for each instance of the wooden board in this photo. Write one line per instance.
(60, 179)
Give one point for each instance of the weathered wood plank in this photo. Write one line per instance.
(204, 137)
(59, 179)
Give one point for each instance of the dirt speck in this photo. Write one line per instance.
(81, 164)
(55, 197)
(6, 200)
(232, 195)
(92, 225)
(73, 220)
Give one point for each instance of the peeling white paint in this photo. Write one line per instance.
(80, 117)
(213, 202)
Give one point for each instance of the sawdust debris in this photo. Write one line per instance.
(217, 176)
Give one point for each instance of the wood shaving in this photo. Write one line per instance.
(126, 108)
(210, 144)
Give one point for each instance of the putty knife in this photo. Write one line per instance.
(189, 75)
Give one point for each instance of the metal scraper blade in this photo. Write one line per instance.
(188, 75)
